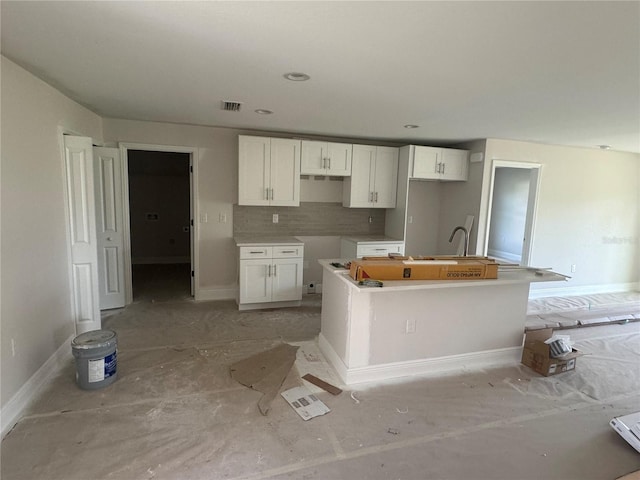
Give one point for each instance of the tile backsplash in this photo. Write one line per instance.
(309, 219)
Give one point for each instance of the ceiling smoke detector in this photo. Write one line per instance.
(231, 106)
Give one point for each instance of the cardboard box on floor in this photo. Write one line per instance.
(424, 268)
(537, 355)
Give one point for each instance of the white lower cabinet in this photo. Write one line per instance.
(270, 274)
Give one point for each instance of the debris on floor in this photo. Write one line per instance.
(265, 372)
(305, 403)
(333, 390)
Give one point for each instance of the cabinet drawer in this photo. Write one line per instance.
(282, 251)
(379, 250)
(256, 252)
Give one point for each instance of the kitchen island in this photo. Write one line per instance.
(410, 327)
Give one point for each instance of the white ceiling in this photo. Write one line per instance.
(563, 73)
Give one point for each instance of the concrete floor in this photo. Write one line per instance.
(175, 413)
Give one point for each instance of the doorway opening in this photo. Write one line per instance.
(159, 219)
(160, 249)
(512, 206)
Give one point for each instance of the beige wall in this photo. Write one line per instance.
(36, 298)
(588, 211)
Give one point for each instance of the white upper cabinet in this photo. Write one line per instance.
(374, 175)
(432, 163)
(268, 171)
(325, 158)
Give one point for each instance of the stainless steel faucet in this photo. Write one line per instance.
(466, 239)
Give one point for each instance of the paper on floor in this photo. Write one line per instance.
(305, 403)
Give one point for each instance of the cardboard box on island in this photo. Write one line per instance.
(424, 268)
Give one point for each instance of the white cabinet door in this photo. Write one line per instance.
(426, 162)
(313, 160)
(286, 279)
(285, 172)
(268, 171)
(339, 155)
(374, 176)
(386, 177)
(325, 158)
(454, 164)
(357, 189)
(254, 170)
(255, 280)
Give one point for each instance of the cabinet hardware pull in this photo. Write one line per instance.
(288, 251)
(329, 163)
(444, 165)
(376, 197)
(269, 271)
(272, 194)
(256, 252)
(274, 270)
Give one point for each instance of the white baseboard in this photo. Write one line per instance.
(13, 410)
(582, 290)
(227, 292)
(504, 255)
(263, 305)
(332, 357)
(424, 367)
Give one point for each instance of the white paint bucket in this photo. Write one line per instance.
(96, 358)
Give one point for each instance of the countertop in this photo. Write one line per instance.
(365, 239)
(253, 241)
(505, 276)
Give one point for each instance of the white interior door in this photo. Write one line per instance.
(109, 226)
(78, 153)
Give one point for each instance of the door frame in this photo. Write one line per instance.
(532, 204)
(194, 234)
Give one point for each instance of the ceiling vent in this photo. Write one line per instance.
(230, 106)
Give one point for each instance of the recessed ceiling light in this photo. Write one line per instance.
(604, 147)
(297, 77)
(263, 111)
(412, 126)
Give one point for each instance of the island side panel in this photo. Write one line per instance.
(448, 322)
(334, 318)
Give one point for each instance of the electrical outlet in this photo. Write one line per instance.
(13, 347)
(275, 218)
(573, 268)
(410, 219)
(411, 325)
(222, 218)
(204, 218)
